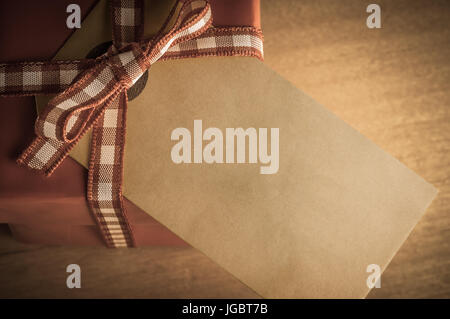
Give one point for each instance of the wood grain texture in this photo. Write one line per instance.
(392, 84)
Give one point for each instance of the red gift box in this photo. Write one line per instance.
(54, 210)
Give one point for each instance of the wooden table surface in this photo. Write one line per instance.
(392, 84)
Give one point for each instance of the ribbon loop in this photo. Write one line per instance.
(66, 115)
(194, 18)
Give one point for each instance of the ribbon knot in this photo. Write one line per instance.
(127, 64)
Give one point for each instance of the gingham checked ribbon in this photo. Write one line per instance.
(95, 96)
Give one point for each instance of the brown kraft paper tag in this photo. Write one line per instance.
(309, 227)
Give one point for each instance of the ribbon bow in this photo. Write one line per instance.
(95, 96)
(73, 111)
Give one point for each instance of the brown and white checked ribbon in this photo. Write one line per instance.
(94, 96)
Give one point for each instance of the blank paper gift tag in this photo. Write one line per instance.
(337, 204)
